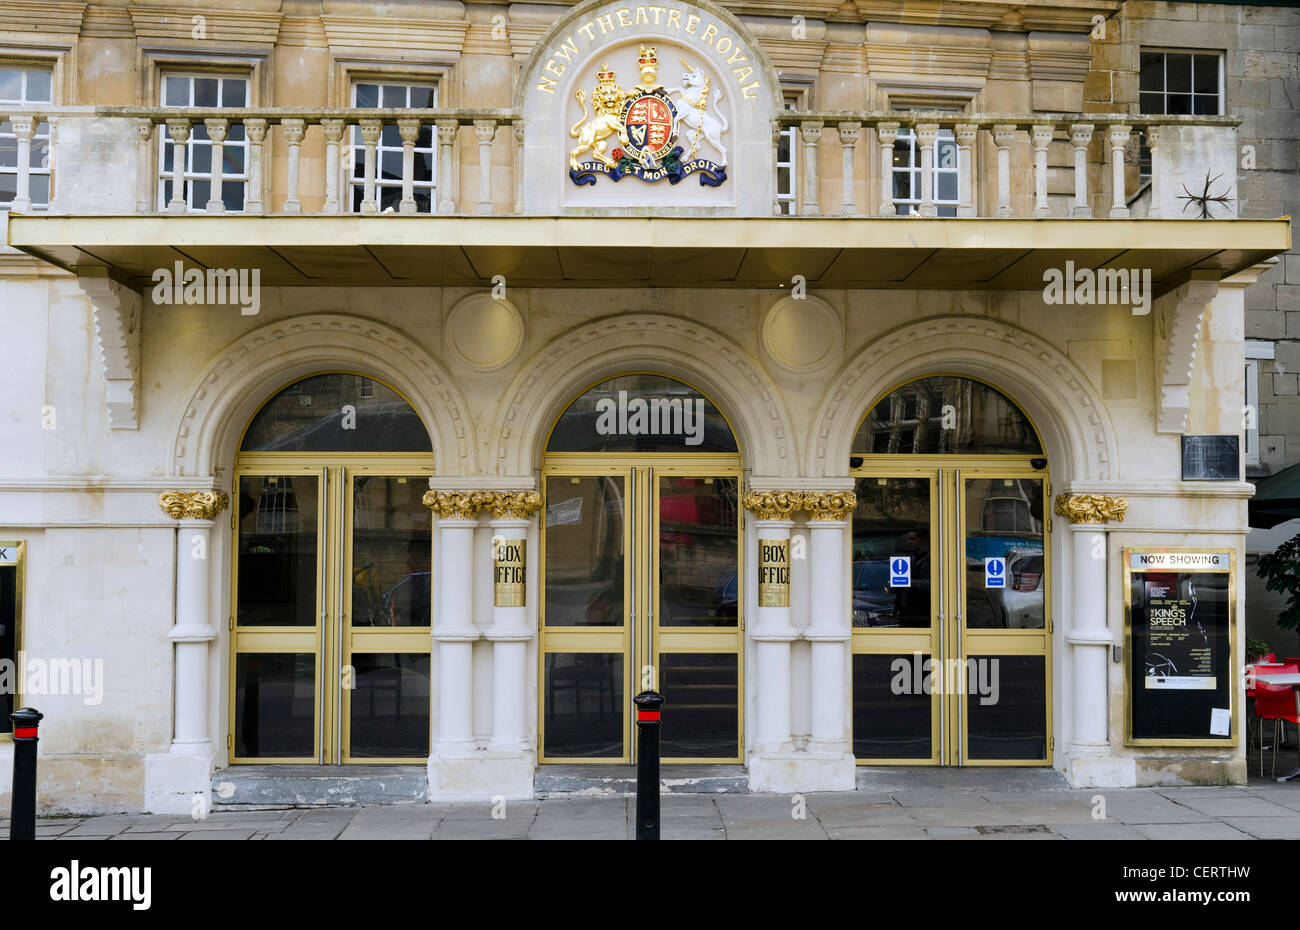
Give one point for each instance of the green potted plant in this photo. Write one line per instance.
(1256, 649)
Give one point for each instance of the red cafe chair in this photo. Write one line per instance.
(1259, 668)
(1276, 703)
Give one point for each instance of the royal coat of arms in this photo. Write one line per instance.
(644, 124)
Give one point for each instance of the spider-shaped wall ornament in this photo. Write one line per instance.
(1205, 198)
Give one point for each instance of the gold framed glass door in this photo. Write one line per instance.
(951, 612)
(641, 568)
(330, 627)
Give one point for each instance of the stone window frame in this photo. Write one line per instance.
(155, 62)
(345, 70)
(60, 59)
(1257, 350)
(960, 100)
(1144, 152)
(796, 94)
(164, 175)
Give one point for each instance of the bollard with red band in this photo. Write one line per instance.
(22, 818)
(647, 764)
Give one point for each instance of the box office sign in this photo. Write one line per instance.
(508, 569)
(1179, 617)
(774, 573)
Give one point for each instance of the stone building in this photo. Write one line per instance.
(412, 383)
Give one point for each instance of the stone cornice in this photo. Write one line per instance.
(193, 505)
(1090, 508)
(43, 17)
(245, 27)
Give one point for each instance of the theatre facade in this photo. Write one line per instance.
(412, 384)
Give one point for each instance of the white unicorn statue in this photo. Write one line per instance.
(693, 100)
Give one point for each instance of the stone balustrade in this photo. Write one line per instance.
(989, 165)
(1012, 166)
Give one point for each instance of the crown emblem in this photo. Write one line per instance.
(605, 75)
(648, 56)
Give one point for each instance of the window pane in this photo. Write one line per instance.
(391, 556)
(390, 138)
(11, 84)
(642, 413)
(389, 706)
(232, 159)
(892, 519)
(40, 188)
(200, 193)
(422, 201)
(891, 717)
(8, 152)
(1178, 74)
(38, 86)
(956, 415)
(1153, 72)
(584, 551)
(1006, 707)
(1153, 103)
(367, 95)
(8, 638)
(424, 166)
(421, 97)
(394, 95)
(1179, 104)
(1205, 105)
(205, 92)
(309, 416)
(234, 92)
(700, 716)
(177, 93)
(584, 704)
(697, 551)
(277, 550)
(389, 197)
(232, 195)
(275, 704)
(201, 162)
(946, 186)
(390, 166)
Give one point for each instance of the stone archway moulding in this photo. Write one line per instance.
(239, 380)
(675, 347)
(1077, 433)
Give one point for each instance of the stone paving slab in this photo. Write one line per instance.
(1190, 831)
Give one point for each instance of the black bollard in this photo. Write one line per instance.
(647, 766)
(22, 817)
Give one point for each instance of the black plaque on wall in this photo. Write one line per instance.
(1179, 617)
(1211, 458)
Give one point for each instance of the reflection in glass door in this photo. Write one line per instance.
(641, 589)
(951, 633)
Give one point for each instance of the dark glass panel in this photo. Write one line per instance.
(367, 95)
(234, 93)
(391, 558)
(421, 97)
(1152, 74)
(275, 704)
(205, 92)
(891, 711)
(701, 710)
(390, 705)
(337, 413)
(1178, 73)
(277, 550)
(892, 519)
(948, 415)
(176, 92)
(1178, 104)
(1006, 707)
(1153, 103)
(641, 413)
(697, 551)
(584, 551)
(9, 641)
(584, 704)
(394, 95)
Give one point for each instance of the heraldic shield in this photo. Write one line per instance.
(646, 124)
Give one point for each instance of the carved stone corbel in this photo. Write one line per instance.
(193, 505)
(117, 314)
(1178, 317)
(1091, 508)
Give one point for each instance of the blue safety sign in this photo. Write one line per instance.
(900, 571)
(995, 573)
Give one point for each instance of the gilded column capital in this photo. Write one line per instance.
(193, 505)
(1091, 508)
(454, 505)
(772, 505)
(510, 504)
(829, 505)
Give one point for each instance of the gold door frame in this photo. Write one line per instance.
(947, 637)
(332, 639)
(641, 634)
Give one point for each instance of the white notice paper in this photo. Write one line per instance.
(1219, 721)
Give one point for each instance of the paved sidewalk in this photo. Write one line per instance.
(1264, 810)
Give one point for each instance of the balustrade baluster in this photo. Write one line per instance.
(217, 129)
(178, 129)
(294, 129)
(333, 132)
(1042, 137)
(887, 133)
(848, 141)
(485, 130)
(255, 130)
(811, 132)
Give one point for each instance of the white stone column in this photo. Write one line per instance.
(1003, 134)
(255, 129)
(1042, 137)
(370, 132)
(965, 133)
(143, 163)
(294, 129)
(887, 133)
(811, 133)
(1157, 172)
(926, 133)
(179, 131)
(24, 128)
(217, 129)
(409, 131)
(485, 131)
(1117, 136)
(454, 631)
(177, 781)
(333, 132)
(518, 128)
(1089, 637)
(848, 142)
(830, 628)
(447, 129)
(1080, 138)
(512, 513)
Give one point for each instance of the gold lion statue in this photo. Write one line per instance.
(606, 104)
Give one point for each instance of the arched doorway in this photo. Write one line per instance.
(330, 642)
(951, 579)
(641, 568)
